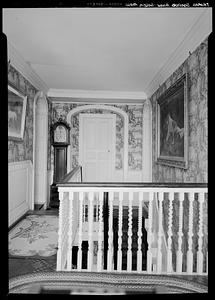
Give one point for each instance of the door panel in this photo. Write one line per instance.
(97, 133)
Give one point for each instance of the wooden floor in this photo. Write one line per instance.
(23, 266)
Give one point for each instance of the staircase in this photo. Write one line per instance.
(115, 242)
(144, 245)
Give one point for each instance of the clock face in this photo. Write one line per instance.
(60, 134)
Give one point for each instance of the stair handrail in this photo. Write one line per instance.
(74, 172)
(134, 185)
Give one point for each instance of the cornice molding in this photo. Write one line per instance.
(18, 62)
(88, 95)
(96, 101)
(200, 30)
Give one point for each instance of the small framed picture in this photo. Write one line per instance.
(16, 113)
(172, 125)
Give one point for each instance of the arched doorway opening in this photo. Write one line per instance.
(125, 137)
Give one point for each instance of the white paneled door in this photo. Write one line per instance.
(97, 147)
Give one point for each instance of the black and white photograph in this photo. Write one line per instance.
(108, 148)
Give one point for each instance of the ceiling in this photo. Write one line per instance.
(97, 49)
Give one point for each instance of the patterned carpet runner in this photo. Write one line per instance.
(34, 235)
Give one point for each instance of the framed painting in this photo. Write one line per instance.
(16, 113)
(172, 125)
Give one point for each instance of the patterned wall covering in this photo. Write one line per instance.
(22, 150)
(196, 66)
(135, 114)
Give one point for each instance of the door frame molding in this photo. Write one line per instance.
(111, 108)
(113, 146)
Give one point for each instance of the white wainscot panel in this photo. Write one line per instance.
(20, 189)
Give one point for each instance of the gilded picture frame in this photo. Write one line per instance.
(16, 114)
(172, 125)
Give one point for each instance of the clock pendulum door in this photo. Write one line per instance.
(60, 170)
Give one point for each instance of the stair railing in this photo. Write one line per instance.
(68, 220)
(172, 229)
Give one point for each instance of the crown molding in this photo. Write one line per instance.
(18, 62)
(96, 101)
(97, 96)
(199, 31)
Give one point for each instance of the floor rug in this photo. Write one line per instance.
(34, 235)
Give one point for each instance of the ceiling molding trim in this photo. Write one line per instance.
(18, 62)
(200, 30)
(96, 101)
(90, 94)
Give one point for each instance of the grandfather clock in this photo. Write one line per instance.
(60, 141)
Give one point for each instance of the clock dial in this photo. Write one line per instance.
(60, 134)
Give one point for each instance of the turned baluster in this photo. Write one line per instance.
(160, 235)
(59, 252)
(119, 252)
(200, 234)
(129, 252)
(139, 234)
(169, 241)
(149, 234)
(110, 233)
(190, 235)
(180, 234)
(90, 232)
(100, 235)
(79, 262)
(70, 217)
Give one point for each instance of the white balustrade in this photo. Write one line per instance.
(139, 234)
(100, 235)
(119, 252)
(169, 241)
(79, 260)
(129, 252)
(160, 232)
(63, 230)
(90, 232)
(149, 252)
(70, 232)
(110, 233)
(180, 235)
(76, 225)
(190, 235)
(200, 234)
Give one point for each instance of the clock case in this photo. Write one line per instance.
(60, 160)
(63, 123)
